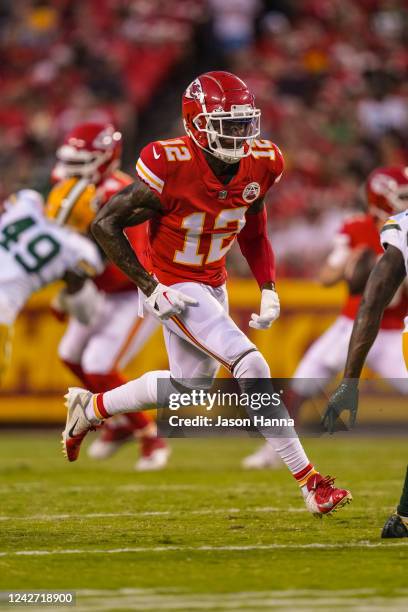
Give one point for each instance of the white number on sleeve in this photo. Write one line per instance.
(177, 153)
(263, 148)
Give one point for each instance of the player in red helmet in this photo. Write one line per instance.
(387, 190)
(200, 192)
(222, 123)
(91, 150)
(96, 353)
(355, 249)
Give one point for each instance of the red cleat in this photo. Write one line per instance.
(324, 497)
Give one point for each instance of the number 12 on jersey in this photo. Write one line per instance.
(194, 226)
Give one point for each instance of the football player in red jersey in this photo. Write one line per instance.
(200, 192)
(97, 352)
(388, 192)
(358, 237)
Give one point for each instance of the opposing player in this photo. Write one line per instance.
(96, 353)
(390, 188)
(35, 252)
(200, 192)
(356, 248)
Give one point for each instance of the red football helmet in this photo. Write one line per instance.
(387, 191)
(91, 151)
(219, 114)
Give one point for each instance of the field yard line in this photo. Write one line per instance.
(127, 487)
(57, 517)
(175, 512)
(252, 601)
(364, 600)
(204, 548)
(196, 605)
(192, 604)
(137, 488)
(159, 592)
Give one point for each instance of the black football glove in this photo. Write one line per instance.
(345, 397)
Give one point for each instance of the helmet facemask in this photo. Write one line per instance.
(90, 151)
(84, 164)
(230, 134)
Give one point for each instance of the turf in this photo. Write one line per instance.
(203, 534)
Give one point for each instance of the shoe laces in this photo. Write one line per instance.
(323, 483)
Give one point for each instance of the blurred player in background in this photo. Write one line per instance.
(88, 167)
(356, 249)
(35, 252)
(390, 194)
(200, 192)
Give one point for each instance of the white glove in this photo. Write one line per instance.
(270, 309)
(85, 305)
(166, 302)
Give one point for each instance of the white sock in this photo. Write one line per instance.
(135, 395)
(291, 451)
(250, 369)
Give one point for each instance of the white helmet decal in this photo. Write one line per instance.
(195, 91)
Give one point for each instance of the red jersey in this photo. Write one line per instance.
(112, 279)
(202, 216)
(361, 230)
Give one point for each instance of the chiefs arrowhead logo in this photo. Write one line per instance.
(195, 91)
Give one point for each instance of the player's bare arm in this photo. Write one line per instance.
(382, 284)
(384, 280)
(133, 205)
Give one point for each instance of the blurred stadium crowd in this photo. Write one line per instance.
(69, 61)
(329, 75)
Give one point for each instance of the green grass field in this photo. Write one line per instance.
(203, 534)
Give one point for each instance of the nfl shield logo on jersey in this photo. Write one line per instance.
(251, 192)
